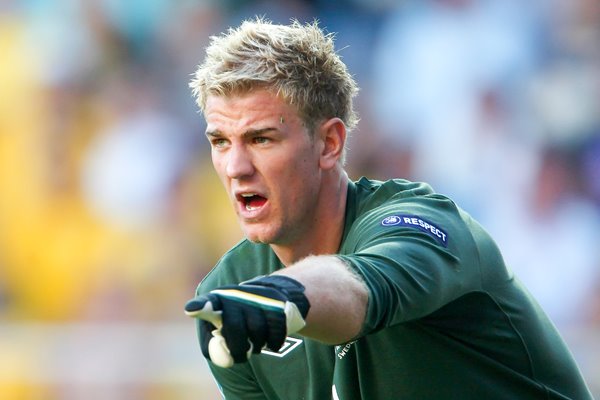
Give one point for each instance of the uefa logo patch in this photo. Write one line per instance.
(412, 221)
(391, 220)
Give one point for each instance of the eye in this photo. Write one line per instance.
(218, 142)
(261, 140)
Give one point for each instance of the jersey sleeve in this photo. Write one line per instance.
(414, 258)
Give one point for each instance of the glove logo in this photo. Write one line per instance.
(289, 345)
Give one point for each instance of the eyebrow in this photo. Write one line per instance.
(246, 134)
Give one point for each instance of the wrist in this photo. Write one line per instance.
(291, 288)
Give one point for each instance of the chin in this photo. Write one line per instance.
(257, 237)
(269, 236)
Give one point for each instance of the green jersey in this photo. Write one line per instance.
(445, 319)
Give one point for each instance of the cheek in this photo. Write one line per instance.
(299, 173)
(219, 168)
(300, 180)
(307, 161)
(218, 163)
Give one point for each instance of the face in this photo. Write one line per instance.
(268, 163)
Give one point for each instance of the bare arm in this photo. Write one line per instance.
(337, 297)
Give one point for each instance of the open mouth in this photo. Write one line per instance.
(252, 201)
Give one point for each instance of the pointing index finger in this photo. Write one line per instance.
(207, 308)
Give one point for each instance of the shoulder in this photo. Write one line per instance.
(393, 187)
(244, 261)
(398, 209)
(377, 200)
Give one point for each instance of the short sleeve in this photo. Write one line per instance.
(414, 259)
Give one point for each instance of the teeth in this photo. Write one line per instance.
(249, 207)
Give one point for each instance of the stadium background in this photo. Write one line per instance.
(110, 212)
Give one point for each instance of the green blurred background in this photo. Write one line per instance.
(110, 213)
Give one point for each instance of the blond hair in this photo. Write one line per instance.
(297, 62)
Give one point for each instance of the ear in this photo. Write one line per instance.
(333, 134)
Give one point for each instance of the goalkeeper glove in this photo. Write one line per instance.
(236, 321)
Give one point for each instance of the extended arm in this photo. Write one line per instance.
(320, 297)
(337, 296)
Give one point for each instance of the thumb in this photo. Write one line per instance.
(218, 350)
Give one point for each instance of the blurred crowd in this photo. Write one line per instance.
(110, 212)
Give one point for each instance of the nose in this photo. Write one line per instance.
(239, 163)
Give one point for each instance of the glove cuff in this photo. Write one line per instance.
(290, 287)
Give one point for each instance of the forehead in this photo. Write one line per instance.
(255, 107)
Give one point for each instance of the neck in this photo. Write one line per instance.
(325, 233)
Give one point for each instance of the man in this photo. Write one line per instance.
(348, 290)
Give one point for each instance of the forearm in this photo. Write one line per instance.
(337, 297)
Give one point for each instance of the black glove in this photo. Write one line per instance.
(238, 320)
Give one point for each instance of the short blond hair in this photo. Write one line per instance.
(296, 61)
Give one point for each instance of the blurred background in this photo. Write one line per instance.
(110, 213)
